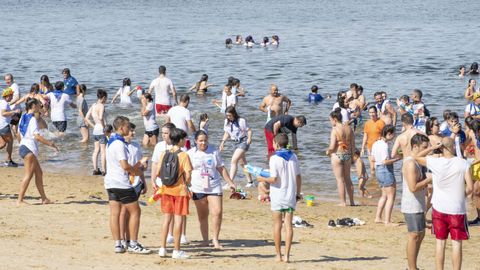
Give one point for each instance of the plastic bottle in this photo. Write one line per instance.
(256, 171)
(155, 197)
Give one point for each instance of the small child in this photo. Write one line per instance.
(314, 96)
(361, 173)
(444, 124)
(404, 105)
(203, 124)
(285, 187)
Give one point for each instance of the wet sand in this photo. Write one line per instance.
(73, 233)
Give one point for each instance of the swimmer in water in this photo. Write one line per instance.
(461, 71)
(314, 96)
(340, 151)
(201, 87)
(228, 42)
(273, 103)
(249, 42)
(471, 89)
(124, 92)
(473, 69)
(203, 123)
(238, 40)
(265, 42)
(228, 99)
(275, 40)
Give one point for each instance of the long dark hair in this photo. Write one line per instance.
(336, 114)
(231, 109)
(429, 125)
(46, 81)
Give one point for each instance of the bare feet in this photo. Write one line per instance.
(46, 201)
(286, 259)
(378, 220)
(392, 224)
(22, 202)
(83, 141)
(278, 258)
(342, 204)
(365, 194)
(216, 245)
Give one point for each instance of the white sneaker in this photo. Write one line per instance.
(179, 254)
(249, 185)
(169, 239)
(183, 240)
(139, 249)
(119, 249)
(162, 252)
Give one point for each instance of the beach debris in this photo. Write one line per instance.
(345, 222)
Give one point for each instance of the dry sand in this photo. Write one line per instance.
(73, 233)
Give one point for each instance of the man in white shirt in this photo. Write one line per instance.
(452, 183)
(58, 101)
(162, 87)
(180, 116)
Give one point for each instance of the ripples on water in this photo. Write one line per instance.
(392, 45)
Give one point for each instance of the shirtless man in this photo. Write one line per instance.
(386, 112)
(352, 91)
(273, 103)
(97, 112)
(403, 140)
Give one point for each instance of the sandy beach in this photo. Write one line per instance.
(73, 233)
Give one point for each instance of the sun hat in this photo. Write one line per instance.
(7, 92)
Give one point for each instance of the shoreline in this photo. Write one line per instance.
(74, 233)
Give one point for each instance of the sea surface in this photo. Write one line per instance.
(394, 46)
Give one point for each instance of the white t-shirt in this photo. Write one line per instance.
(4, 120)
(236, 132)
(205, 177)
(284, 191)
(29, 138)
(227, 101)
(380, 152)
(159, 148)
(58, 106)
(134, 155)
(124, 97)
(343, 111)
(116, 176)
(179, 116)
(16, 95)
(149, 119)
(472, 109)
(162, 86)
(448, 184)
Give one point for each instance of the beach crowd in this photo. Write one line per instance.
(440, 157)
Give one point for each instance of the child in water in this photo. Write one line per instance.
(203, 124)
(361, 173)
(314, 96)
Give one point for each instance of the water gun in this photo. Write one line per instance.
(155, 197)
(256, 171)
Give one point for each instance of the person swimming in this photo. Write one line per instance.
(249, 42)
(265, 42)
(228, 42)
(314, 96)
(473, 69)
(239, 40)
(275, 40)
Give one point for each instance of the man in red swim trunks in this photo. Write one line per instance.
(162, 87)
(452, 182)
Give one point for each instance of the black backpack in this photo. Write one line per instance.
(170, 167)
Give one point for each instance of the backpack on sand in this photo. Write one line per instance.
(170, 168)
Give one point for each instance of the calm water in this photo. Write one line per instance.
(383, 45)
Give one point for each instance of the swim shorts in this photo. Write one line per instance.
(61, 126)
(5, 130)
(415, 222)
(176, 205)
(443, 224)
(269, 138)
(160, 108)
(199, 196)
(125, 196)
(100, 138)
(155, 132)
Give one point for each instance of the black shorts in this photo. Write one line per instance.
(125, 196)
(199, 196)
(155, 132)
(138, 189)
(61, 126)
(100, 138)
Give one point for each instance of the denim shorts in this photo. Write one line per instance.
(385, 176)
(100, 138)
(241, 144)
(23, 151)
(5, 130)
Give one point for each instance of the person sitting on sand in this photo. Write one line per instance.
(361, 174)
(28, 150)
(340, 151)
(285, 190)
(384, 174)
(201, 87)
(208, 168)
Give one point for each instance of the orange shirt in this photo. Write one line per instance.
(373, 130)
(185, 166)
